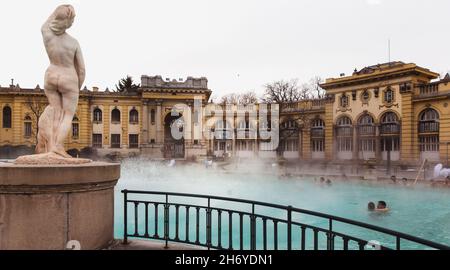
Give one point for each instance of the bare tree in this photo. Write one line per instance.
(288, 94)
(305, 92)
(230, 99)
(248, 98)
(37, 105)
(282, 92)
(316, 90)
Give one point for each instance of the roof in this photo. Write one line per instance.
(379, 72)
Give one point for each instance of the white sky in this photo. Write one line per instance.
(238, 44)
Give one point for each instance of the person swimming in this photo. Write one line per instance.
(328, 182)
(382, 206)
(371, 206)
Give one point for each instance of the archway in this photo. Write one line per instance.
(173, 147)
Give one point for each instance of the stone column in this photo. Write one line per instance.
(159, 126)
(377, 143)
(355, 143)
(189, 126)
(145, 123)
(334, 146)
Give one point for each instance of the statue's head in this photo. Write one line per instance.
(64, 16)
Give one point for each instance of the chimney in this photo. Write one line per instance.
(95, 89)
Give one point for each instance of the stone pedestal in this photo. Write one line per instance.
(45, 207)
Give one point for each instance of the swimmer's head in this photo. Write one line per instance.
(371, 206)
(381, 205)
(64, 16)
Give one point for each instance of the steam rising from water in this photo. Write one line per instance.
(420, 211)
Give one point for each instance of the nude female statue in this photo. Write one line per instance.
(63, 80)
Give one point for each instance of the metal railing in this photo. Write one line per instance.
(206, 215)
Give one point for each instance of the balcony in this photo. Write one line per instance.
(428, 89)
(305, 105)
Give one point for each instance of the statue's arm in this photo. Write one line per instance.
(80, 67)
(47, 32)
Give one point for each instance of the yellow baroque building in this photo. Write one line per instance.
(393, 111)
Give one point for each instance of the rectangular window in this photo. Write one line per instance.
(97, 140)
(344, 144)
(152, 116)
(367, 145)
(115, 140)
(28, 129)
(222, 146)
(75, 130)
(390, 142)
(318, 145)
(429, 143)
(134, 141)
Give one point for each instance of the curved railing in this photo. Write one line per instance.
(214, 218)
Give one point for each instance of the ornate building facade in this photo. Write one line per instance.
(393, 111)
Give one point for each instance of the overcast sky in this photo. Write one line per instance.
(238, 45)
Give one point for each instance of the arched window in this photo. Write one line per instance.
(343, 101)
(429, 121)
(390, 132)
(365, 96)
(344, 121)
(344, 134)
(390, 123)
(366, 125)
(115, 116)
(134, 116)
(27, 124)
(429, 130)
(289, 136)
(7, 117)
(317, 128)
(290, 124)
(389, 95)
(75, 128)
(98, 115)
(317, 135)
(366, 139)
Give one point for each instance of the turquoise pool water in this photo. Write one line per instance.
(420, 211)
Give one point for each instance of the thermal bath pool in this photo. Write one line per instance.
(420, 211)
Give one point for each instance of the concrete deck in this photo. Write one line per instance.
(151, 245)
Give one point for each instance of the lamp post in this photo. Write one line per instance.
(447, 152)
(388, 158)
